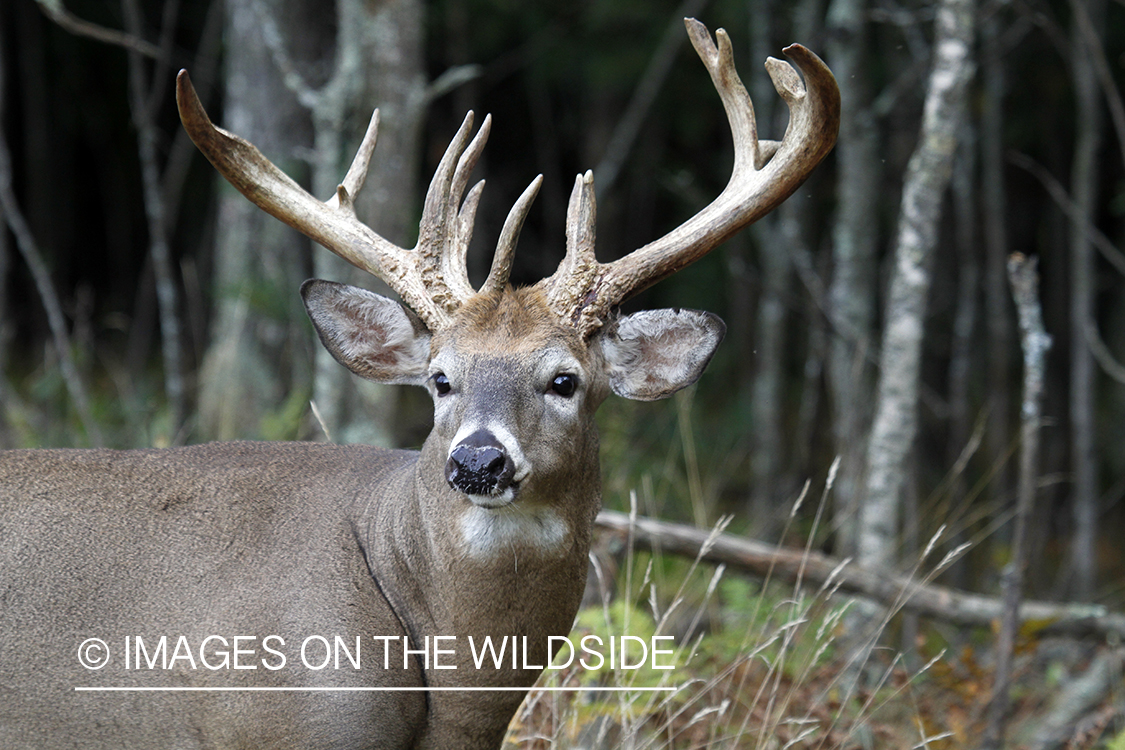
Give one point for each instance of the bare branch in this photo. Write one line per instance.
(452, 79)
(940, 602)
(1059, 194)
(625, 133)
(55, 10)
(166, 290)
(10, 209)
(294, 81)
(1105, 246)
(1058, 720)
(1102, 355)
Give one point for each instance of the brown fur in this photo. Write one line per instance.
(490, 323)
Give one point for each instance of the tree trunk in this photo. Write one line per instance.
(927, 176)
(6, 327)
(259, 340)
(997, 301)
(5, 330)
(167, 284)
(378, 63)
(1035, 342)
(963, 352)
(961, 357)
(1084, 177)
(854, 243)
(766, 445)
(257, 361)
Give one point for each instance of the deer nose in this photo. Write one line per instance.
(479, 465)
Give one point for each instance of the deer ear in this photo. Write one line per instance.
(652, 354)
(374, 337)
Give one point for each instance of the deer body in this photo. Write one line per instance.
(199, 556)
(260, 548)
(298, 540)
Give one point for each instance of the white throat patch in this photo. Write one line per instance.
(489, 531)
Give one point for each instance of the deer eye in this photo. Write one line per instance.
(564, 385)
(441, 384)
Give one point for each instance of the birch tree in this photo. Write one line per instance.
(927, 176)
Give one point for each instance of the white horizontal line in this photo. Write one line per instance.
(114, 689)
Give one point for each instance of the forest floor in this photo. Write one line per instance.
(774, 666)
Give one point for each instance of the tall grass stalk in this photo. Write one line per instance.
(773, 695)
(769, 672)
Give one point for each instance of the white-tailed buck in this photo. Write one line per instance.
(274, 586)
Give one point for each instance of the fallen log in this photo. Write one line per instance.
(890, 589)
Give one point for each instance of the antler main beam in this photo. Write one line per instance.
(431, 278)
(765, 173)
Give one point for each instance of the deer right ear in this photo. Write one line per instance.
(654, 353)
(374, 337)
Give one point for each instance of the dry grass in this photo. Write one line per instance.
(757, 665)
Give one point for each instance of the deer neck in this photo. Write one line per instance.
(451, 568)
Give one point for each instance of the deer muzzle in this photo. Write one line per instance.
(481, 467)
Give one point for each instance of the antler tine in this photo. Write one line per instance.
(453, 256)
(506, 246)
(579, 270)
(765, 173)
(455, 269)
(444, 232)
(357, 172)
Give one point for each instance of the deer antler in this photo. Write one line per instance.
(765, 173)
(431, 278)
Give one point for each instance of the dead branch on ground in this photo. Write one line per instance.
(762, 560)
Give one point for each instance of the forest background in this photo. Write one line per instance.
(144, 303)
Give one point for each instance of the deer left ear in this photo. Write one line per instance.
(374, 337)
(652, 354)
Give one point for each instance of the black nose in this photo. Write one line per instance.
(479, 465)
